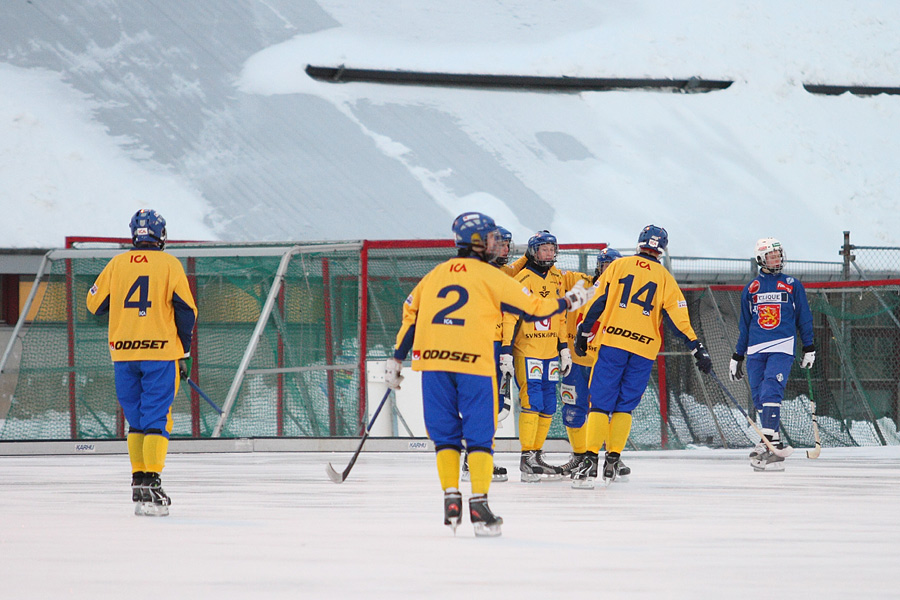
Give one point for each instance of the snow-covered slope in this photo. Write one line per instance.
(203, 111)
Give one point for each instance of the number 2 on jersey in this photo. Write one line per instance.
(141, 288)
(443, 316)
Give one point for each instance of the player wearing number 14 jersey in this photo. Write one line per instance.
(633, 297)
(151, 320)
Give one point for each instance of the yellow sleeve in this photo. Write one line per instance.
(517, 265)
(407, 325)
(98, 295)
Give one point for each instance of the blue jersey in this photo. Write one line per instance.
(773, 309)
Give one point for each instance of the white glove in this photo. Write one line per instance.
(578, 296)
(808, 359)
(565, 362)
(734, 367)
(506, 365)
(392, 376)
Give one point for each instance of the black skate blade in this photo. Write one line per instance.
(334, 475)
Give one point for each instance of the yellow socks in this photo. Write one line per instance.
(448, 468)
(619, 428)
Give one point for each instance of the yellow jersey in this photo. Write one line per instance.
(151, 308)
(450, 316)
(573, 320)
(544, 338)
(634, 294)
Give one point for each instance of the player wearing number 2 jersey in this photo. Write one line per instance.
(634, 295)
(151, 320)
(449, 321)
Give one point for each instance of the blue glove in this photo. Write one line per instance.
(701, 356)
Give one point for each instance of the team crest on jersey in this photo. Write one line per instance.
(783, 286)
(553, 366)
(542, 325)
(768, 315)
(754, 286)
(544, 292)
(535, 369)
(416, 355)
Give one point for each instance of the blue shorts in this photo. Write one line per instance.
(618, 380)
(576, 396)
(146, 390)
(537, 379)
(767, 373)
(460, 407)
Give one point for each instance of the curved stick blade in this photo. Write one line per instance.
(814, 453)
(334, 475)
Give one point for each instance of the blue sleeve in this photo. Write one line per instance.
(103, 308)
(404, 347)
(508, 308)
(679, 335)
(744, 323)
(595, 311)
(184, 321)
(803, 315)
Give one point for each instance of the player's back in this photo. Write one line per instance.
(458, 310)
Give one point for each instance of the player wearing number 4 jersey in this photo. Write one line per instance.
(449, 320)
(634, 295)
(151, 320)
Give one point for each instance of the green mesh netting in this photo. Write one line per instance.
(303, 379)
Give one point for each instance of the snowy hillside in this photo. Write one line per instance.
(203, 111)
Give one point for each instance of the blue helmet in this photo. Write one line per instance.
(148, 226)
(607, 255)
(653, 238)
(505, 238)
(472, 228)
(536, 241)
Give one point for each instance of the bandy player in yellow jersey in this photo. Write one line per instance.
(574, 388)
(151, 321)
(633, 296)
(449, 321)
(504, 369)
(540, 354)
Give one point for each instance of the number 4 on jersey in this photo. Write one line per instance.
(141, 289)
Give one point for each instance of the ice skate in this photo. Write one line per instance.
(767, 461)
(569, 468)
(485, 522)
(530, 470)
(758, 449)
(611, 467)
(137, 482)
(550, 472)
(452, 508)
(154, 501)
(500, 474)
(583, 476)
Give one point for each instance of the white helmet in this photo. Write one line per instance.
(770, 255)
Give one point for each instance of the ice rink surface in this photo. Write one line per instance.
(689, 524)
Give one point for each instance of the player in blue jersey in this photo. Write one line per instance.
(773, 310)
(449, 323)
